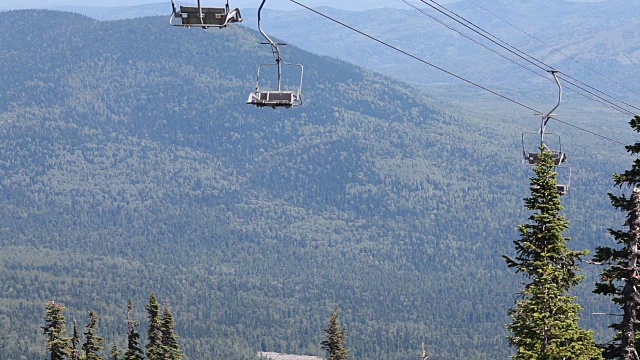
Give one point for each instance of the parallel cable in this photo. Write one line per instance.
(594, 89)
(474, 40)
(514, 50)
(557, 50)
(595, 98)
(414, 57)
(589, 131)
(613, 105)
(445, 71)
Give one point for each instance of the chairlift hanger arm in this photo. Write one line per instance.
(550, 113)
(274, 45)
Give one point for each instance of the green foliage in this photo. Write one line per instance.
(170, 348)
(545, 321)
(75, 342)
(334, 340)
(93, 343)
(620, 277)
(130, 163)
(133, 352)
(54, 330)
(115, 353)
(154, 335)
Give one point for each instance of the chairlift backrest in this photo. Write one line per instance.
(278, 97)
(531, 149)
(275, 97)
(204, 17)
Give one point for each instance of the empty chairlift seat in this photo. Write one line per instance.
(534, 158)
(274, 98)
(204, 17)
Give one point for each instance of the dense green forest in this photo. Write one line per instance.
(129, 163)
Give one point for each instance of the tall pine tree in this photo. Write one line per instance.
(58, 345)
(170, 346)
(115, 352)
(93, 343)
(133, 352)
(75, 341)
(154, 346)
(545, 320)
(335, 337)
(621, 278)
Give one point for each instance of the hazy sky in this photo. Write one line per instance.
(277, 4)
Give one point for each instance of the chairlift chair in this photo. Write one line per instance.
(542, 138)
(563, 185)
(204, 17)
(278, 97)
(533, 157)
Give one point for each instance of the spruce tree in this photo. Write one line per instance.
(133, 352)
(621, 278)
(154, 346)
(115, 352)
(170, 346)
(58, 345)
(75, 341)
(93, 343)
(335, 337)
(545, 320)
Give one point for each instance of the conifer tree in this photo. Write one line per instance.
(133, 352)
(545, 320)
(621, 278)
(170, 346)
(54, 329)
(75, 341)
(335, 337)
(115, 352)
(93, 342)
(154, 346)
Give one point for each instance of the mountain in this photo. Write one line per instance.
(129, 163)
(600, 40)
(594, 42)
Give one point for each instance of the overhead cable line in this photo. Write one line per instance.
(413, 56)
(594, 89)
(597, 98)
(512, 49)
(589, 131)
(603, 100)
(554, 49)
(472, 39)
(444, 70)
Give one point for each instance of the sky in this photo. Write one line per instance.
(274, 4)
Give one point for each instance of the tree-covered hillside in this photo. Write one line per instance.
(129, 163)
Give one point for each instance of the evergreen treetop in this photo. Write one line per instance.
(58, 345)
(93, 342)
(75, 341)
(335, 337)
(170, 346)
(154, 346)
(115, 352)
(133, 352)
(621, 278)
(545, 321)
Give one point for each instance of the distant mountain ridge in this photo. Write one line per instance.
(130, 163)
(599, 37)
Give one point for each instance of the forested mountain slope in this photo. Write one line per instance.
(129, 163)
